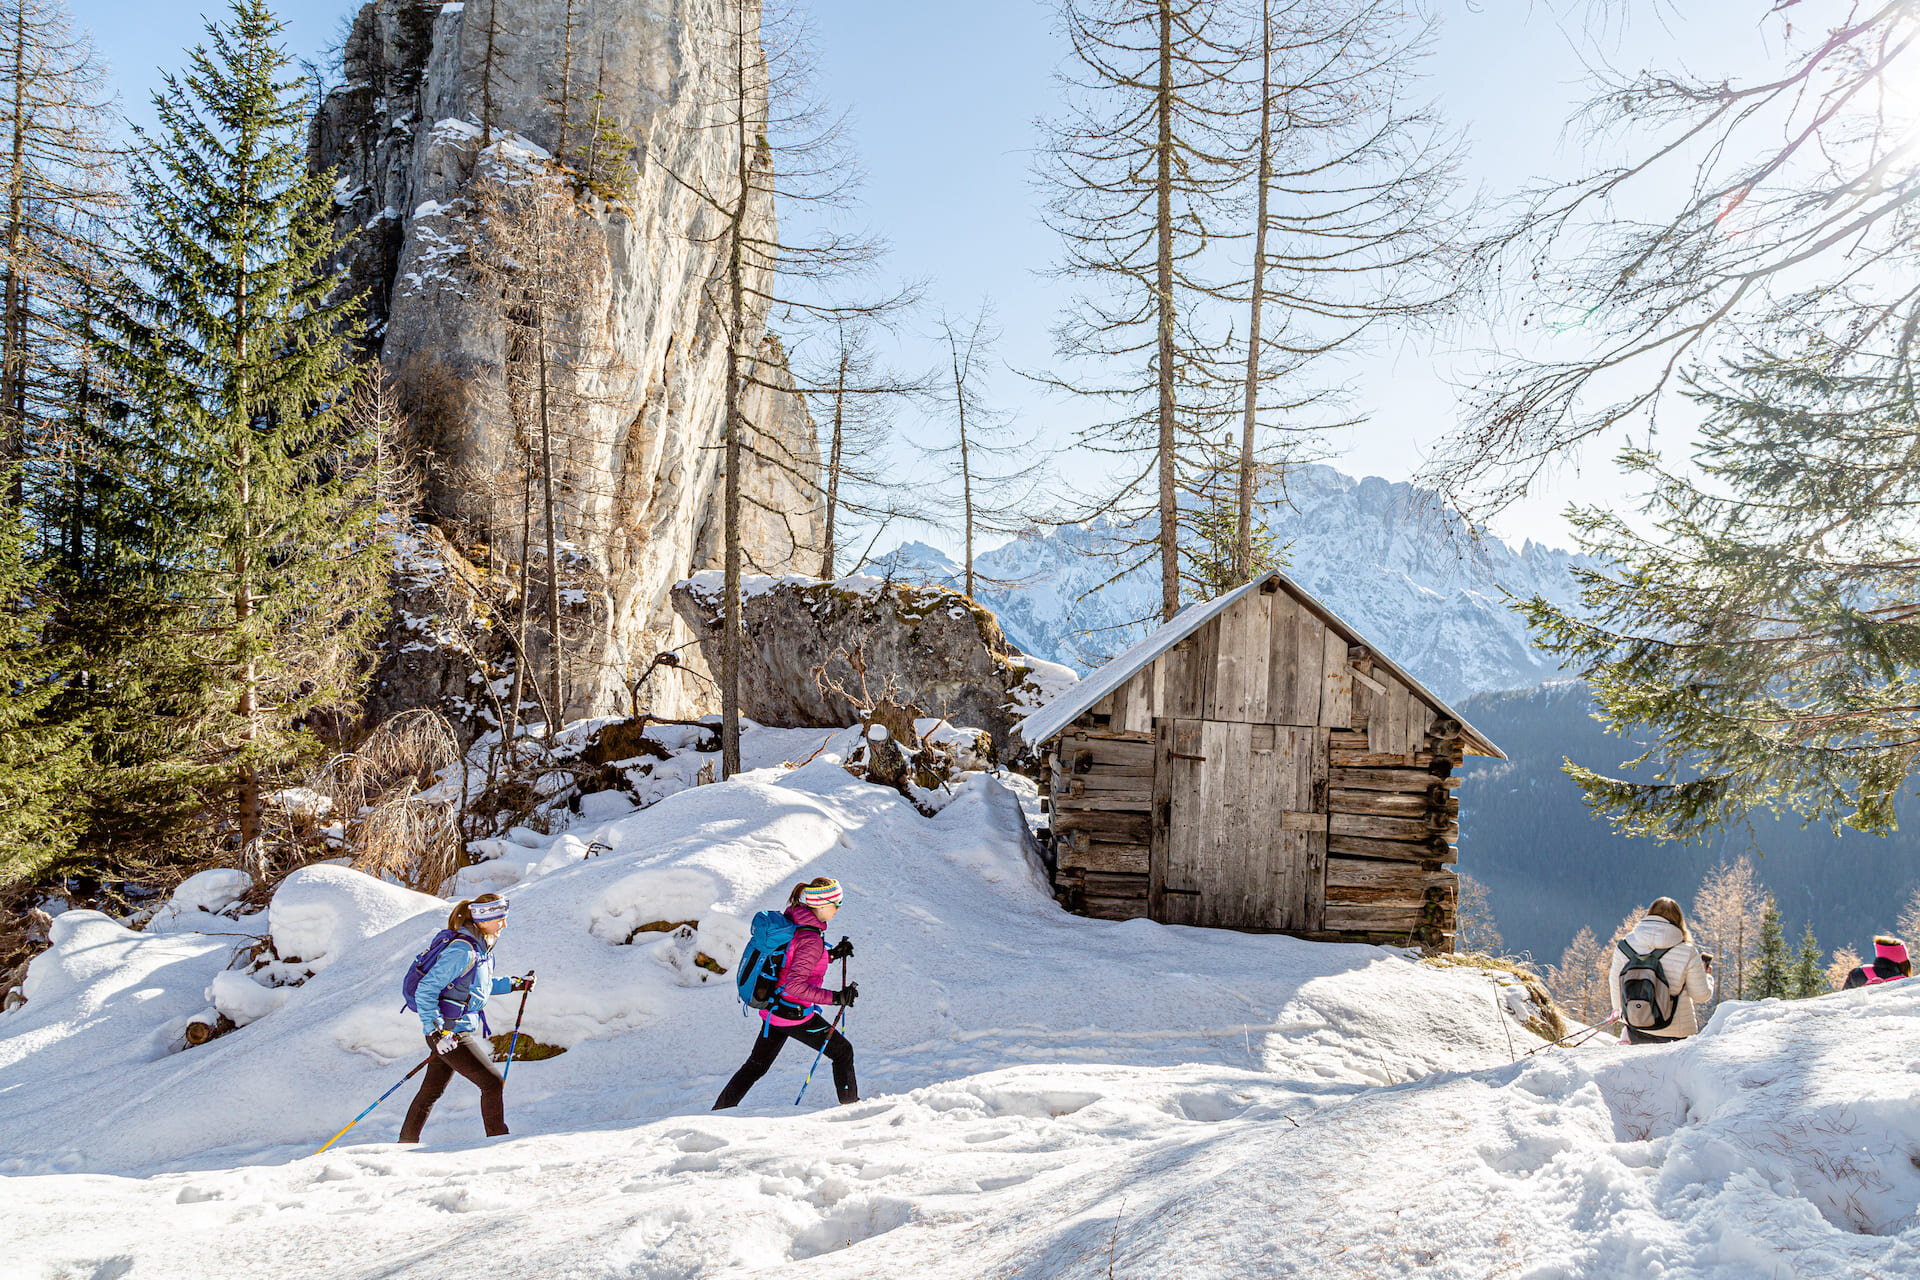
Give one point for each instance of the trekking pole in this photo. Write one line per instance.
(1583, 1032)
(376, 1102)
(824, 1043)
(513, 1041)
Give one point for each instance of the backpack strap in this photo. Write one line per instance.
(780, 1005)
(1656, 956)
(465, 975)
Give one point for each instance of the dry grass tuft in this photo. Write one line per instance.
(1551, 1021)
(392, 828)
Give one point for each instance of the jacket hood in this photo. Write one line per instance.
(803, 917)
(1654, 932)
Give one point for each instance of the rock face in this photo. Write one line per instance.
(818, 653)
(439, 96)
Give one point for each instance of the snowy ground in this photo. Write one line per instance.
(1046, 1096)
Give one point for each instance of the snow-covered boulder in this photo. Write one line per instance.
(814, 646)
(202, 902)
(319, 912)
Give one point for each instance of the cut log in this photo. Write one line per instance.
(1114, 908)
(1118, 828)
(1133, 750)
(1348, 758)
(1113, 859)
(1106, 884)
(1375, 828)
(1386, 804)
(1389, 779)
(1432, 850)
(1105, 779)
(1352, 880)
(1365, 917)
(1103, 802)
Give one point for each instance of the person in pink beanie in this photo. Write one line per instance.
(794, 1013)
(1890, 964)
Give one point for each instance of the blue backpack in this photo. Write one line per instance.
(410, 985)
(758, 973)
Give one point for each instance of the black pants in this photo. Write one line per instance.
(1636, 1036)
(474, 1060)
(812, 1033)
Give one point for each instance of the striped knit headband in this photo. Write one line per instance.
(814, 896)
(482, 912)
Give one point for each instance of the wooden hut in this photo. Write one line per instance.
(1256, 764)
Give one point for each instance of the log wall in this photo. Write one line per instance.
(1099, 784)
(1361, 812)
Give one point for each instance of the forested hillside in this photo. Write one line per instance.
(1551, 867)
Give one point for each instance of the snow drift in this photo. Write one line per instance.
(1046, 1096)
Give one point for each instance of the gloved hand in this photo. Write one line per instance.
(521, 983)
(841, 949)
(846, 995)
(445, 1042)
(1706, 961)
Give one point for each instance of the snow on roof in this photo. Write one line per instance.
(1070, 706)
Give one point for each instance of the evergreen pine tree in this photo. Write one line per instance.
(1772, 970)
(1755, 623)
(40, 756)
(1809, 976)
(245, 534)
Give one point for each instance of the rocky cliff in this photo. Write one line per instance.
(440, 97)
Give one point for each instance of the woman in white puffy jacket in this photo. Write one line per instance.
(1688, 971)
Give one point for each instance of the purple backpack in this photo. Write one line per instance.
(410, 985)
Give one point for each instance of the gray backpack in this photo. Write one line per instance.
(1646, 1001)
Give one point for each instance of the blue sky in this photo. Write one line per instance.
(944, 98)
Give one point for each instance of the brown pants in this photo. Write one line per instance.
(474, 1060)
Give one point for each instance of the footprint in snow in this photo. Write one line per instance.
(694, 1140)
(699, 1162)
(1003, 1182)
(850, 1225)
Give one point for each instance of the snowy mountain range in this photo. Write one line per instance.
(1415, 578)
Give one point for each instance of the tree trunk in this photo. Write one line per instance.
(1243, 523)
(833, 462)
(486, 76)
(248, 782)
(13, 358)
(966, 468)
(554, 705)
(1163, 284)
(732, 639)
(519, 693)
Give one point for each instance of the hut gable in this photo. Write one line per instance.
(1256, 764)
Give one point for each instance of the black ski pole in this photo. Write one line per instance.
(830, 1034)
(513, 1042)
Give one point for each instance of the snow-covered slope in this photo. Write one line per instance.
(1046, 1096)
(1384, 556)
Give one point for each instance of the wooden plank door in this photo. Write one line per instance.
(1239, 837)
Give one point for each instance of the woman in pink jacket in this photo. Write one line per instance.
(795, 1013)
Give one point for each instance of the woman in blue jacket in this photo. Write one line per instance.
(450, 996)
